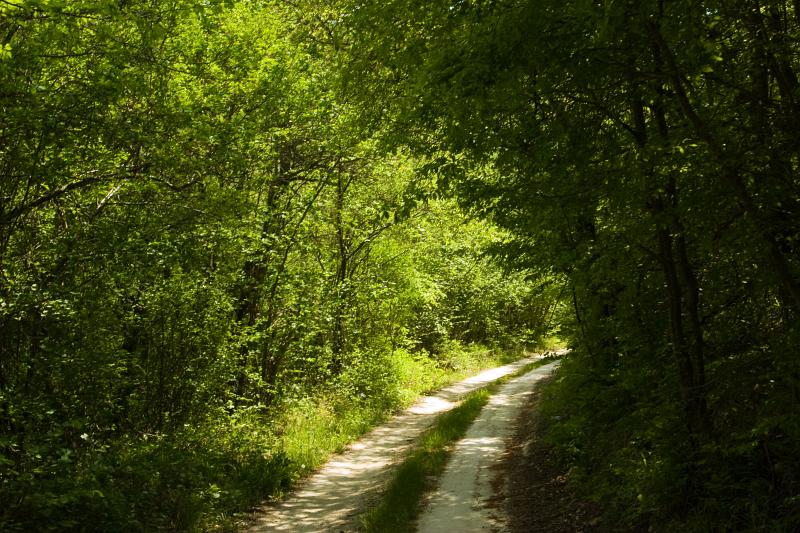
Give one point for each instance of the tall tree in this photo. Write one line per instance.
(642, 150)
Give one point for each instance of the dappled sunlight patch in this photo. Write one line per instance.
(460, 502)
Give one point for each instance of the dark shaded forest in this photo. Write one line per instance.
(645, 153)
(234, 234)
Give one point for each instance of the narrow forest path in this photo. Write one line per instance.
(532, 486)
(468, 498)
(329, 500)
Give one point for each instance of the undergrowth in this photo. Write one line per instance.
(622, 439)
(207, 475)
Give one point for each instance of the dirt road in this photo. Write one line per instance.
(329, 500)
(533, 487)
(464, 499)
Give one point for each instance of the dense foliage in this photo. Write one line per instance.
(646, 153)
(225, 244)
(210, 274)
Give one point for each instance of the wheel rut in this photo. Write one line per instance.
(331, 499)
(465, 499)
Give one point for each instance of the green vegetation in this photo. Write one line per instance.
(418, 473)
(644, 155)
(210, 275)
(401, 500)
(199, 476)
(310, 431)
(220, 220)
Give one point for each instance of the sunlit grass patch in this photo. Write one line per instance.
(314, 428)
(418, 474)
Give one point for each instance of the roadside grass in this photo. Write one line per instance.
(208, 475)
(418, 474)
(313, 428)
(306, 431)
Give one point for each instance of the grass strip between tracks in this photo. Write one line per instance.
(418, 474)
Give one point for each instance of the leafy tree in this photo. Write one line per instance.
(198, 234)
(644, 153)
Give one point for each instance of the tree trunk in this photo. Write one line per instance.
(342, 269)
(731, 174)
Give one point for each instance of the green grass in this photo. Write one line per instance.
(207, 475)
(306, 431)
(314, 428)
(418, 474)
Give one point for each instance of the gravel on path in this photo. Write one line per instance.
(463, 502)
(330, 499)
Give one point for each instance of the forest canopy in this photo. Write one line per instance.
(221, 220)
(647, 153)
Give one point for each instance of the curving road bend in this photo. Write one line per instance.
(330, 499)
(463, 500)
